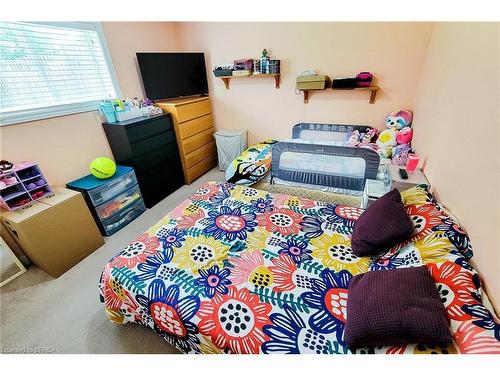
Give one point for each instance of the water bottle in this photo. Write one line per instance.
(264, 62)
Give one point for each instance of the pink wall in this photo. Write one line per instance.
(456, 127)
(64, 146)
(394, 52)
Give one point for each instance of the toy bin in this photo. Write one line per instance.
(114, 202)
(230, 143)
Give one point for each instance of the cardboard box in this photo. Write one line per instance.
(312, 82)
(13, 245)
(55, 232)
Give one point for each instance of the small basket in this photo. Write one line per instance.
(222, 72)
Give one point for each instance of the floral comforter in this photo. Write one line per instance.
(233, 269)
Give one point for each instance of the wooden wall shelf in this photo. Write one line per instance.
(227, 79)
(373, 92)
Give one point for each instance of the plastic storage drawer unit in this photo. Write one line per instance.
(111, 187)
(121, 201)
(113, 202)
(123, 217)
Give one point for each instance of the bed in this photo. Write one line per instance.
(317, 163)
(235, 269)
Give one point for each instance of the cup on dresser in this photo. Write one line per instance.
(412, 163)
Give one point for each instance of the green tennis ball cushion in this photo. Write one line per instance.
(103, 167)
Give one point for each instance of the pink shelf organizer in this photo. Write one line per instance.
(21, 193)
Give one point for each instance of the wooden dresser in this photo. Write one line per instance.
(194, 129)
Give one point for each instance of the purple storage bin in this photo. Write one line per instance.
(30, 186)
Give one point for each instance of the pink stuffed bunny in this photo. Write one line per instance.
(404, 136)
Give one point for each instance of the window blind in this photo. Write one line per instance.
(51, 69)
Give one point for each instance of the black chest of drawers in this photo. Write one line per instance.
(150, 147)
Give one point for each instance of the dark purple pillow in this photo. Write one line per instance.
(395, 307)
(382, 225)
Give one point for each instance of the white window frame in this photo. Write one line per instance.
(20, 116)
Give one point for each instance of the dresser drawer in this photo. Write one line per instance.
(189, 128)
(124, 217)
(155, 158)
(147, 145)
(118, 203)
(139, 132)
(200, 168)
(193, 110)
(196, 141)
(199, 154)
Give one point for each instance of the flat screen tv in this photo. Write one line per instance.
(170, 75)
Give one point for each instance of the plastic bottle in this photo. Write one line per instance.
(264, 62)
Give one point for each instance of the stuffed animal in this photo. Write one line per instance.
(385, 142)
(400, 154)
(369, 137)
(353, 140)
(404, 136)
(397, 120)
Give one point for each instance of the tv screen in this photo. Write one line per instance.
(169, 75)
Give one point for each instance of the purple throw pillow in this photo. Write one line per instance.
(382, 225)
(395, 307)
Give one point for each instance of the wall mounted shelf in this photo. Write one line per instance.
(373, 92)
(227, 79)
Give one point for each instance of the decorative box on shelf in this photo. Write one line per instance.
(242, 72)
(23, 185)
(313, 82)
(113, 202)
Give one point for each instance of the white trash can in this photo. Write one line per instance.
(230, 143)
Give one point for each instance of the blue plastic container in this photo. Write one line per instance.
(107, 109)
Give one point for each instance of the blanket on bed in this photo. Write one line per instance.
(234, 269)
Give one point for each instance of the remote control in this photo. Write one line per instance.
(403, 173)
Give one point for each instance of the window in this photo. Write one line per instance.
(52, 69)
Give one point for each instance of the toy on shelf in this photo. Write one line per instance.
(21, 184)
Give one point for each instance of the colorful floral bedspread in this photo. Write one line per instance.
(238, 270)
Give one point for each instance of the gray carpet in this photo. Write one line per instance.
(64, 315)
